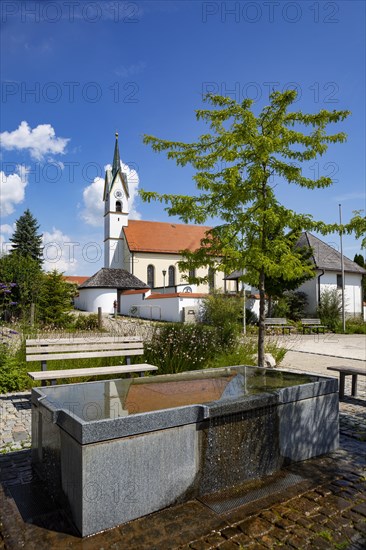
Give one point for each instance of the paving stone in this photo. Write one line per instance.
(255, 527)
(360, 509)
(230, 532)
(215, 539)
(305, 506)
(228, 545)
(200, 545)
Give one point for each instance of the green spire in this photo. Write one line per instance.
(116, 159)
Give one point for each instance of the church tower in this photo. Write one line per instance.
(115, 199)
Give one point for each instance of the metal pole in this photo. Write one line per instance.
(244, 311)
(342, 270)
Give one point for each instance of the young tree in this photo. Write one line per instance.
(249, 152)
(26, 275)
(25, 240)
(55, 300)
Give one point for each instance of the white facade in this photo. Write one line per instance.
(89, 299)
(158, 307)
(328, 281)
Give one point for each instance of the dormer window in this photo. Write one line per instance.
(118, 206)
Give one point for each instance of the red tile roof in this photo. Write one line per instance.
(140, 291)
(77, 280)
(168, 238)
(177, 295)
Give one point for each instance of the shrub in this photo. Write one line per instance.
(246, 354)
(291, 304)
(176, 347)
(223, 313)
(329, 310)
(355, 326)
(86, 322)
(12, 368)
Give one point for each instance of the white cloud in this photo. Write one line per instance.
(93, 210)
(40, 140)
(12, 189)
(6, 231)
(59, 252)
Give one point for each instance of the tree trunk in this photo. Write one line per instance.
(262, 327)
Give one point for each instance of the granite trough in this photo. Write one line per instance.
(115, 450)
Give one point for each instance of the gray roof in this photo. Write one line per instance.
(113, 278)
(326, 257)
(234, 275)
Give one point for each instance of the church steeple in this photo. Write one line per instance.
(116, 159)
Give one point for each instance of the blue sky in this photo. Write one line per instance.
(75, 72)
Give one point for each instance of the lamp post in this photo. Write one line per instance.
(164, 273)
(342, 271)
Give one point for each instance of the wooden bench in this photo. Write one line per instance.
(348, 371)
(278, 322)
(311, 324)
(47, 349)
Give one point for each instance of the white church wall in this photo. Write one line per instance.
(90, 299)
(161, 262)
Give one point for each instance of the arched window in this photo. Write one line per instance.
(171, 275)
(118, 206)
(151, 276)
(211, 279)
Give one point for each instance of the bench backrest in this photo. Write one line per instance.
(310, 321)
(47, 349)
(275, 321)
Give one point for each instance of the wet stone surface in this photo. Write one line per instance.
(327, 509)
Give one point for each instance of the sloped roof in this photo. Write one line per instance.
(113, 278)
(326, 257)
(168, 238)
(75, 279)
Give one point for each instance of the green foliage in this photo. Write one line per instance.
(12, 368)
(291, 305)
(330, 308)
(26, 274)
(86, 322)
(176, 347)
(55, 301)
(246, 354)
(355, 326)
(257, 233)
(359, 260)
(357, 225)
(25, 240)
(223, 312)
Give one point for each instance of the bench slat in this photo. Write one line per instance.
(81, 340)
(83, 347)
(349, 370)
(83, 355)
(96, 371)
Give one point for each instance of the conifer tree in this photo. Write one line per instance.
(236, 163)
(25, 240)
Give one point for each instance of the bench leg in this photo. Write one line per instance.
(354, 385)
(342, 378)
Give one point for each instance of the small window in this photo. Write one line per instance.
(171, 275)
(211, 279)
(151, 276)
(118, 206)
(339, 282)
(191, 274)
